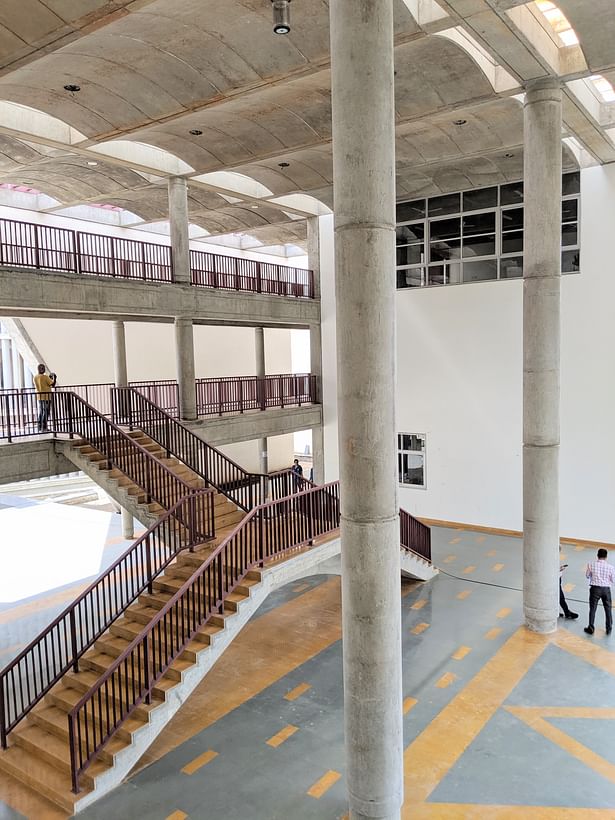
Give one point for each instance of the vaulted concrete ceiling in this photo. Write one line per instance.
(151, 72)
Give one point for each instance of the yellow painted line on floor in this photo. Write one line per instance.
(446, 680)
(586, 650)
(440, 745)
(419, 628)
(534, 718)
(497, 567)
(449, 559)
(301, 588)
(492, 553)
(460, 654)
(504, 613)
(419, 604)
(297, 691)
(480, 539)
(465, 593)
(455, 540)
(282, 735)
(493, 633)
(199, 762)
(409, 703)
(473, 811)
(177, 815)
(569, 587)
(324, 784)
(579, 548)
(469, 569)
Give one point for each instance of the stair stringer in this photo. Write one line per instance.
(108, 484)
(306, 563)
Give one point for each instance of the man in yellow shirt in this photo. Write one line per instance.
(43, 384)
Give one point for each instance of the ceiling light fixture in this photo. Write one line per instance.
(281, 16)
(91, 162)
(72, 88)
(195, 132)
(509, 156)
(459, 122)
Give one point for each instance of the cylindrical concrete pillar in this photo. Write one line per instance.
(120, 366)
(17, 368)
(364, 183)
(179, 227)
(259, 358)
(7, 366)
(128, 525)
(184, 351)
(541, 352)
(313, 252)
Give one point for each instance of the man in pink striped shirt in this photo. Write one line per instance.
(601, 576)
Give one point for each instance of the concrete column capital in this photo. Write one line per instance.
(544, 89)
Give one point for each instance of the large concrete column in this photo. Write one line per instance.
(7, 365)
(364, 183)
(17, 368)
(184, 351)
(178, 221)
(120, 370)
(318, 444)
(541, 353)
(259, 353)
(120, 365)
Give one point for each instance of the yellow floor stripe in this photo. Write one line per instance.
(199, 762)
(493, 633)
(455, 540)
(480, 539)
(498, 567)
(446, 680)
(504, 613)
(469, 569)
(464, 594)
(569, 587)
(324, 784)
(408, 704)
(419, 604)
(177, 815)
(419, 628)
(449, 559)
(301, 588)
(579, 548)
(460, 654)
(297, 691)
(440, 745)
(492, 553)
(282, 735)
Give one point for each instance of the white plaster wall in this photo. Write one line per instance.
(246, 453)
(460, 382)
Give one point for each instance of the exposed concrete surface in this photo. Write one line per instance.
(259, 424)
(26, 460)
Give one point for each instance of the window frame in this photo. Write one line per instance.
(422, 453)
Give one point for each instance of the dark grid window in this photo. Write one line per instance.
(411, 459)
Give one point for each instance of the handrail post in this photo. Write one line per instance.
(37, 264)
(240, 396)
(3, 743)
(8, 418)
(259, 282)
(73, 640)
(71, 432)
(73, 754)
(191, 521)
(148, 566)
(281, 391)
(76, 253)
(146, 675)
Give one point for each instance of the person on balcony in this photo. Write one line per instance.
(297, 471)
(44, 384)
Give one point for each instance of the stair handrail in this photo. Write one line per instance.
(414, 532)
(244, 488)
(76, 628)
(73, 415)
(268, 531)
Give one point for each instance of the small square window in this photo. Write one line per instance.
(411, 459)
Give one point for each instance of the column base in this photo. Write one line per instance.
(542, 625)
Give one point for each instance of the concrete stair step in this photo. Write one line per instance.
(45, 746)
(43, 778)
(66, 698)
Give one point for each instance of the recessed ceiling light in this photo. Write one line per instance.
(283, 164)
(195, 132)
(508, 156)
(459, 122)
(91, 162)
(254, 207)
(72, 88)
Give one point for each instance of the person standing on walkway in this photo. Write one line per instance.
(43, 384)
(568, 613)
(297, 471)
(601, 576)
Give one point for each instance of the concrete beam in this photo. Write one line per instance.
(25, 292)
(26, 460)
(260, 424)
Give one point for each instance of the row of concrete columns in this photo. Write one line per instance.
(364, 182)
(14, 372)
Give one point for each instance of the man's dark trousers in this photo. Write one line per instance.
(603, 594)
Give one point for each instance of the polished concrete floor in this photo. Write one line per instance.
(498, 723)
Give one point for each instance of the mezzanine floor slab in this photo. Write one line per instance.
(498, 723)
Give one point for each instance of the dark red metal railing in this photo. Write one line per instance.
(245, 489)
(60, 646)
(268, 531)
(44, 247)
(414, 535)
(212, 270)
